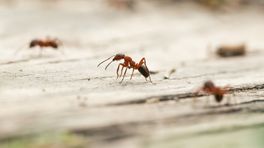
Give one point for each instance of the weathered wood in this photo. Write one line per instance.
(67, 92)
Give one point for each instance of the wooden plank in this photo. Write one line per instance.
(67, 92)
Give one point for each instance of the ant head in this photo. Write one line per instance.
(208, 84)
(33, 43)
(118, 57)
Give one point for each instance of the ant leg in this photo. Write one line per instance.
(117, 74)
(226, 89)
(132, 74)
(124, 75)
(149, 74)
(143, 61)
(228, 99)
(234, 98)
(150, 79)
(60, 43)
(148, 70)
(122, 70)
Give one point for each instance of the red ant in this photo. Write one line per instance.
(122, 4)
(129, 63)
(210, 88)
(48, 42)
(54, 43)
(231, 50)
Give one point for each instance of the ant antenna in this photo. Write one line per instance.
(108, 64)
(105, 61)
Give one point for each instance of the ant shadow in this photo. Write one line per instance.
(43, 56)
(219, 106)
(131, 83)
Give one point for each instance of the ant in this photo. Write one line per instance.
(129, 63)
(48, 42)
(231, 50)
(43, 43)
(122, 4)
(210, 88)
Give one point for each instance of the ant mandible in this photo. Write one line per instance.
(129, 63)
(210, 88)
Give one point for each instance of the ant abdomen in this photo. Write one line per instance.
(218, 97)
(144, 71)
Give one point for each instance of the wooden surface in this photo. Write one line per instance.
(66, 92)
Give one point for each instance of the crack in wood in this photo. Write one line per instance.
(162, 98)
(116, 132)
(130, 129)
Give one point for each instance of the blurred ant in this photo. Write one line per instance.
(210, 89)
(231, 50)
(129, 63)
(53, 43)
(226, 51)
(122, 4)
